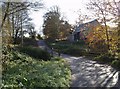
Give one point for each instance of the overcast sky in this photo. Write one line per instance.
(68, 9)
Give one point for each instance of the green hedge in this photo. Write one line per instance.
(74, 51)
(66, 47)
(26, 41)
(35, 52)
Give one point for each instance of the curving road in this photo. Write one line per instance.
(88, 73)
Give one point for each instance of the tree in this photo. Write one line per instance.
(17, 14)
(64, 30)
(99, 7)
(54, 26)
(18, 6)
(118, 35)
(6, 30)
(39, 37)
(106, 11)
(81, 18)
(96, 39)
(51, 23)
(113, 9)
(30, 28)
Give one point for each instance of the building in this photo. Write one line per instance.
(82, 30)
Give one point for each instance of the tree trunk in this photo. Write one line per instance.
(13, 27)
(107, 35)
(5, 15)
(21, 32)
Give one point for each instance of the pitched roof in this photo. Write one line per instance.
(85, 25)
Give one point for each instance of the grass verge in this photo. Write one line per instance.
(108, 59)
(21, 70)
(66, 47)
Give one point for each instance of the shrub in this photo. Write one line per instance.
(66, 47)
(39, 37)
(116, 64)
(35, 52)
(105, 58)
(30, 42)
(57, 59)
(74, 51)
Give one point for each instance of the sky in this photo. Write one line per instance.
(68, 9)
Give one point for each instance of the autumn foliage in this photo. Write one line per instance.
(97, 40)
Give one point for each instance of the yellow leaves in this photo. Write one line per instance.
(97, 39)
(113, 40)
(96, 34)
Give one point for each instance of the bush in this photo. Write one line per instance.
(32, 74)
(39, 37)
(26, 41)
(57, 59)
(105, 58)
(35, 52)
(66, 47)
(109, 59)
(116, 64)
(30, 42)
(74, 51)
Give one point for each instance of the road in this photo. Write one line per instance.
(88, 73)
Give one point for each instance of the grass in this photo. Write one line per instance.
(23, 71)
(24, 68)
(66, 47)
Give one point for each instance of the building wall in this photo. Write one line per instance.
(83, 30)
